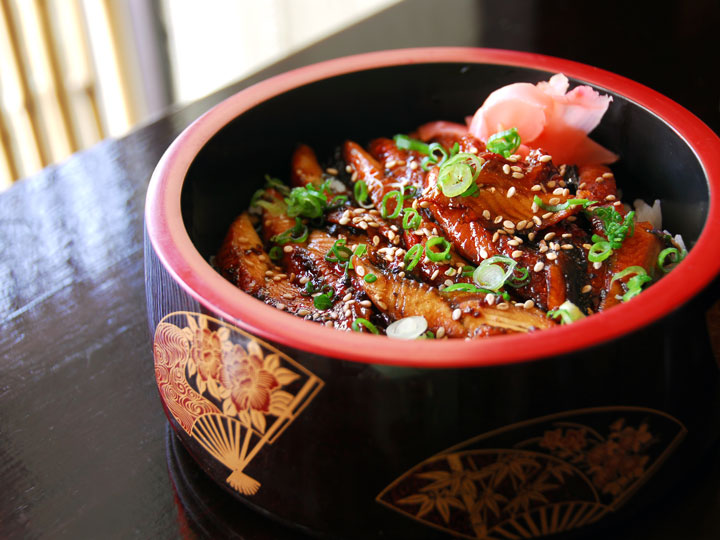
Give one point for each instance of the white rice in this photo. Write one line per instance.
(645, 212)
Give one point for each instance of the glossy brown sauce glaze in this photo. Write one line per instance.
(311, 267)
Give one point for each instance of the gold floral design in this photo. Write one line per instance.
(211, 366)
(247, 383)
(567, 477)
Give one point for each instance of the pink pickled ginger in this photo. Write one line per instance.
(549, 117)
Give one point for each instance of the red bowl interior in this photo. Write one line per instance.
(183, 261)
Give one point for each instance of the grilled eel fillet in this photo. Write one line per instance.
(398, 298)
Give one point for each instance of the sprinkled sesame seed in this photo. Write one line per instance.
(347, 297)
(567, 246)
(390, 235)
(456, 314)
(414, 203)
(503, 305)
(303, 280)
(586, 289)
(365, 303)
(330, 324)
(390, 163)
(599, 179)
(401, 275)
(537, 220)
(567, 235)
(558, 191)
(424, 204)
(262, 257)
(608, 175)
(545, 158)
(610, 198)
(551, 184)
(543, 248)
(440, 332)
(597, 265)
(413, 165)
(554, 200)
(490, 299)
(510, 192)
(538, 266)
(506, 168)
(536, 187)
(531, 236)
(486, 214)
(582, 186)
(354, 176)
(513, 243)
(554, 245)
(571, 218)
(534, 207)
(514, 158)
(280, 306)
(521, 224)
(549, 236)
(303, 312)
(497, 219)
(508, 224)
(287, 249)
(547, 215)
(348, 169)
(515, 168)
(529, 304)
(360, 270)
(331, 170)
(516, 254)
(551, 256)
(448, 282)
(495, 236)
(518, 175)
(587, 246)
(435, 274)
(450, 271)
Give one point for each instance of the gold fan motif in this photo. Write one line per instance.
(539, 477)
(231, 392)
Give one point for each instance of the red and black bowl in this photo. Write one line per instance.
(358, 436)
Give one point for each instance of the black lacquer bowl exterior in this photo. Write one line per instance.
(358, 436)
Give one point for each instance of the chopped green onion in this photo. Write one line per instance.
(413, 256)
(339, 252)
(360, 191)
(675, 257)
(296, 234)
(504, 142)
(615, 226)
(467, 270)
(458, 173)
(308, 201)
(599, 251)
(338, 200)
(370, 278)
(437, 256)
(364, 322)
(437, 147)
(490, 275)
(325, 300)
(277, 184)
(275, 253)
(472, 191)
(568, 312)
(256, 197)
(403, 142)
(635, 283)
(411, 219)
(469, 287)
(398, 206)
(359, 252)
(563, 206)
(409, 192)
(407, 328)
(309, 287)
(428, 335)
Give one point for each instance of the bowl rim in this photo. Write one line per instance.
(176, 252)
